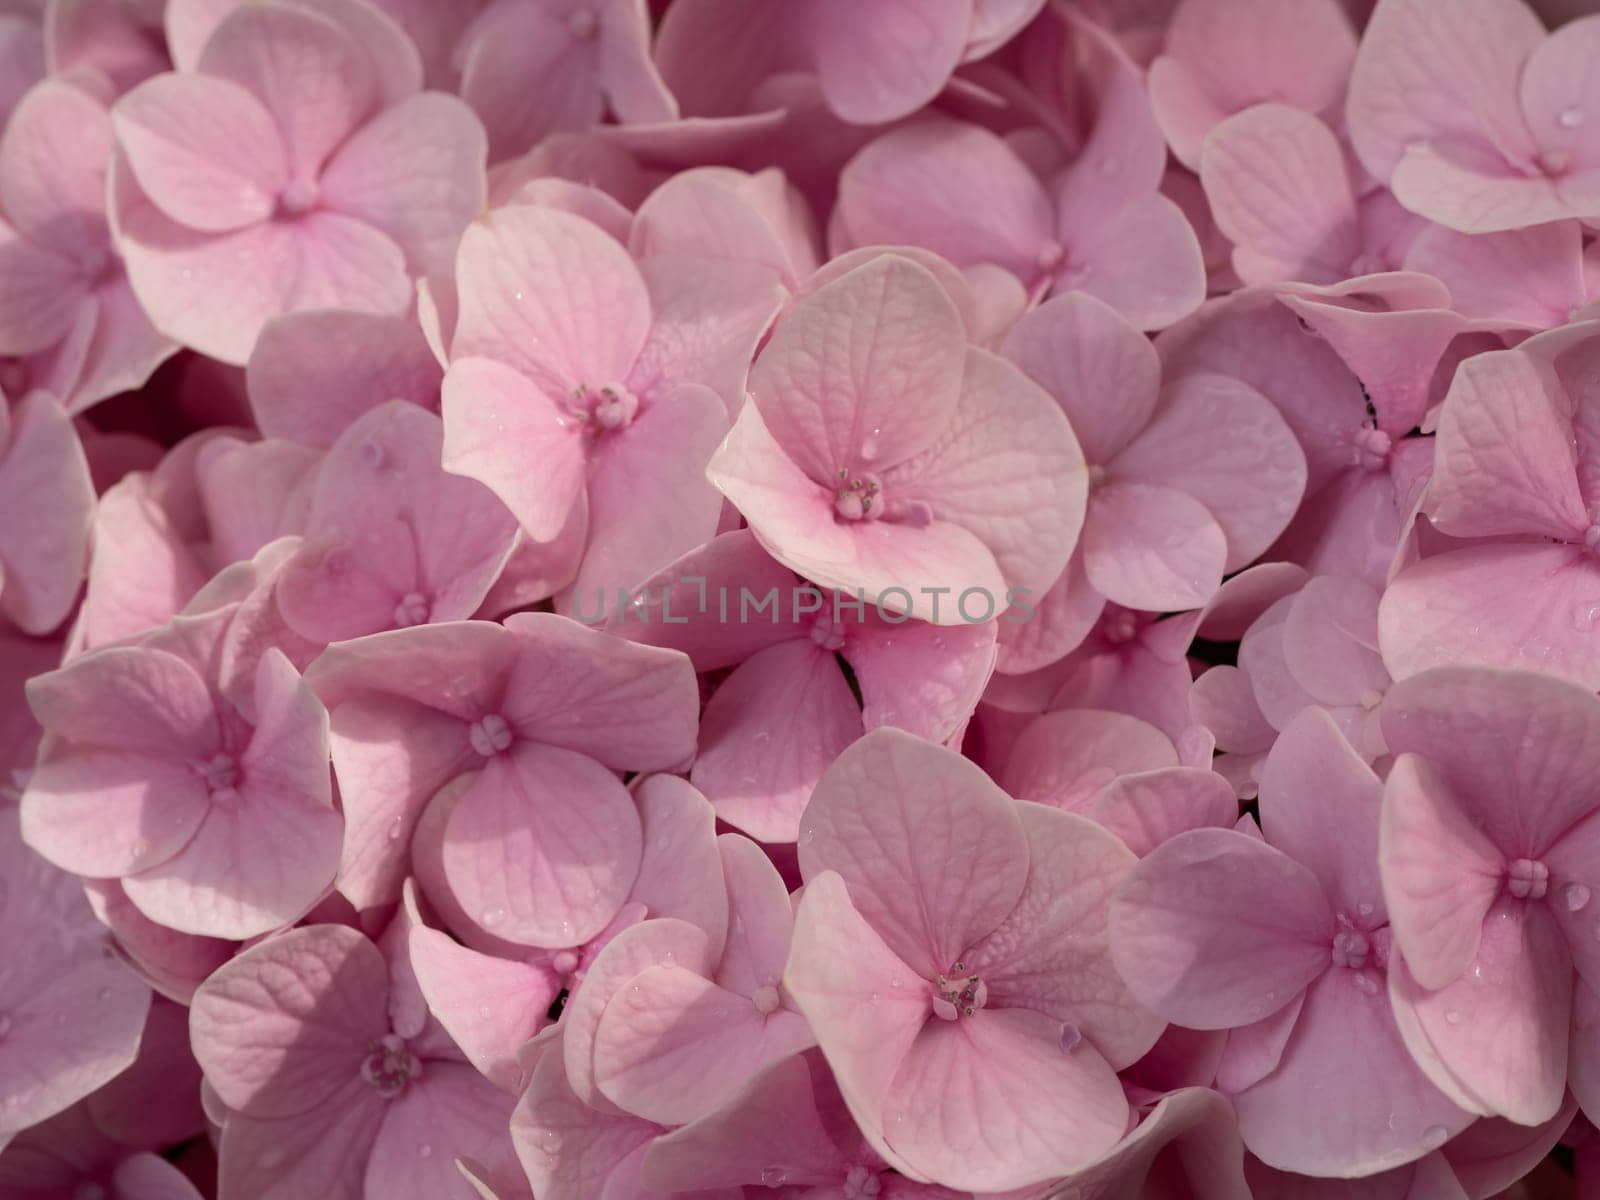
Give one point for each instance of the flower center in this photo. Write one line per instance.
(299, 198)
(1050, 257)
(827, 633)
(390, 1066)
(565, 962)
(412, 610)
(859, 497)
(1528, 879)
(1372, 447)
(221, 776)
(609, 407)
(1121, 626)
(1350, 948)
(861, 1183)
(766, 999)
(958, 993)
(490, 735)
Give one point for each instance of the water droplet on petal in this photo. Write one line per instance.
(1435, 1135)
(773, 1177)
(424, 1151)
(493, 917)
(1570, 118)
(1576, 895)
(1453, 1016)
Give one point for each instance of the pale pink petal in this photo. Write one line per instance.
(1529, 277)
(1518, 751)
(551, 295)
(322, 1152)
(995, 1102)
(770, 730)
(47, 499)
(285, 1024)
(1214, 929)
(783, 1117)
(312, 75)
(203, 149)
(1148, 808)
(681, 870)
(1505, 461)
(41, 292)
(489, 1006)
(415, 173)
(1222, 58)
(1558, 90)
(1224, 702)
(795, 521)
(1278, 187)
(53, 161)
(1064, 758)
(446, 1114)
(1497, 1047)
(1320, 805)
(662, 941)
(1345, 1096)
(933, 853)
(543, 847)
(1142, 259)
(924, 185)
(1532, 606)
(1008, 469)
(649, 500)
(1421, 75)
(1105, 375)
(882, 63)
(864, 1004)
(312, 374)
(627, 706)
(494, 418)
(864, 373)
(1330, 641)
(567, 1148)
(1052, 954)
(672, 1047)
(1221, 442)
(919, 677)
(1151, 547)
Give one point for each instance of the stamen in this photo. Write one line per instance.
(1528, 879)
(490, 735)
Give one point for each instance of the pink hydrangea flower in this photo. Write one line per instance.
(335, 1080)
(70, 1012)
(1221, 57)
(567, 350)
(1510, 479)
(1100, 225)
(1478, 120)
(212, 806)
(897, 458)
(1187, 482)
(1284, 940)
(296, 166)
(68, 317)
(950, 953)
(1489, 869)
(541, 714)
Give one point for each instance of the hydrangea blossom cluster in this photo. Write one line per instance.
(824, 599)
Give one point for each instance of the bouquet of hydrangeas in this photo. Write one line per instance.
(824, 599)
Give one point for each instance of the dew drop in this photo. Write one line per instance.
(484, 1011)
(395, 827)
(773, 1177)
(1435, 1135)
(424, 1151)
(1570, 118)
(1453, 1016)
(1576, 895)
(493, 917)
